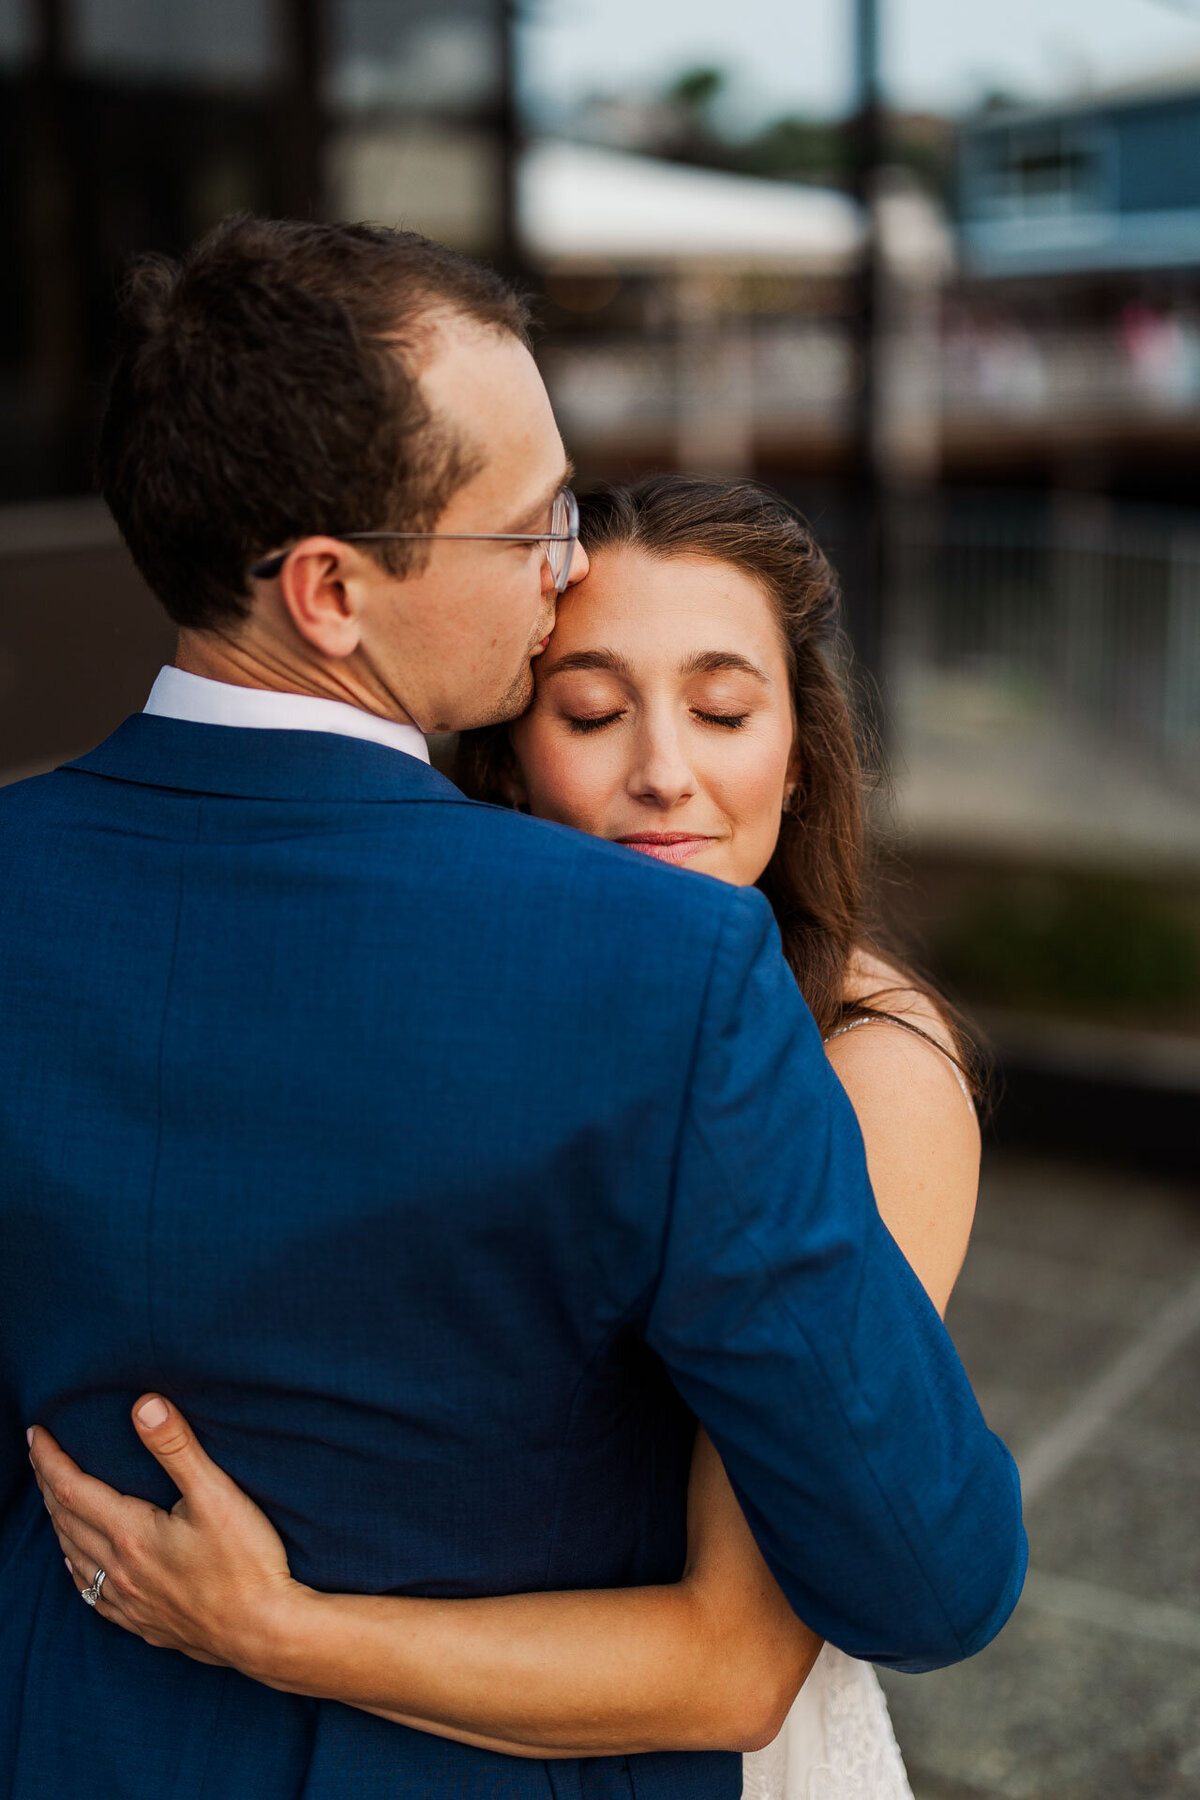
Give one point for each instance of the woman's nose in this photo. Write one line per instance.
(662, 775)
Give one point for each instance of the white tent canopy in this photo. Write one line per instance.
(579, 204)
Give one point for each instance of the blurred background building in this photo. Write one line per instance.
(935, 273)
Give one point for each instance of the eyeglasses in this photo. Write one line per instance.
(558, 543)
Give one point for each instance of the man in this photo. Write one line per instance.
(430, 1158)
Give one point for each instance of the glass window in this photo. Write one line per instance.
(1047, 172)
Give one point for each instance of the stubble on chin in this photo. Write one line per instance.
(513, 702)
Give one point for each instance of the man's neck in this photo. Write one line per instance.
(256, 661)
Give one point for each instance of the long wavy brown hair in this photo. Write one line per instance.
(817, 878)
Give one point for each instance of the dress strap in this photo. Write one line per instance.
(913, 1031)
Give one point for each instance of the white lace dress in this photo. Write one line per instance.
(837, 1742)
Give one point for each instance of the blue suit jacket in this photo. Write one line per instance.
(441, 1164)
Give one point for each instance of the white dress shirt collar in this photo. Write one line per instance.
(178, 695)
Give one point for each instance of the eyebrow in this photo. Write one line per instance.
(590, 659)
(704, 662)
(718, 662)
(534, 512)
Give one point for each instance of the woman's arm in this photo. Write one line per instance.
(713, 1661)
(919, 1129)
(710, 1662)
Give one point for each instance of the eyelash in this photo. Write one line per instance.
(583, 726)
(730, 721)
(727, 721)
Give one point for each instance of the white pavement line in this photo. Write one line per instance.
(1053, 1452)
(1086, 1604)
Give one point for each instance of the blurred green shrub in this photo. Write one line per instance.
(1073, 944)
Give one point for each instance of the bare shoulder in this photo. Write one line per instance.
(887, 1067)
(907, 1059)
(871, 979)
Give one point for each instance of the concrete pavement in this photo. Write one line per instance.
(1078, 1318)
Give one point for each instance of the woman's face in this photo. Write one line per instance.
(662, 717)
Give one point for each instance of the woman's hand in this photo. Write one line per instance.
(710, 1662)
(209, 1578)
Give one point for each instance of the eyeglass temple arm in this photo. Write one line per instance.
(269, 566)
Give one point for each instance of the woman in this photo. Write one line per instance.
(686, 707)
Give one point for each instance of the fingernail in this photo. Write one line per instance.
(67, 1565)
(29, 1436)
(153, 1413)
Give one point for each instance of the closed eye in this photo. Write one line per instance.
(731, 721)
(585, 725)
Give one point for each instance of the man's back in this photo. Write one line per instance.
(327, 1122)
(350, 1115)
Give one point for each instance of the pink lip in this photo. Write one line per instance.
(666, 846)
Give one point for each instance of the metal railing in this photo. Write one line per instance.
(1093, 610)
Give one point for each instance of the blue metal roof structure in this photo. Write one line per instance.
(1104, 183)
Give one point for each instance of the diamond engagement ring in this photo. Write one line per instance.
(90, 1595)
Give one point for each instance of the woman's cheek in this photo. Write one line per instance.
(755, 804)
(569, 782)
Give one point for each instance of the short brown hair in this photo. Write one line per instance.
(267, 389)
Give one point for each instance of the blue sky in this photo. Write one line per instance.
(788, 55)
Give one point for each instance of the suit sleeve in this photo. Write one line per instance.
(798, 1334)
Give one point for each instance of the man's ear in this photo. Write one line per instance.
(320, 587)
